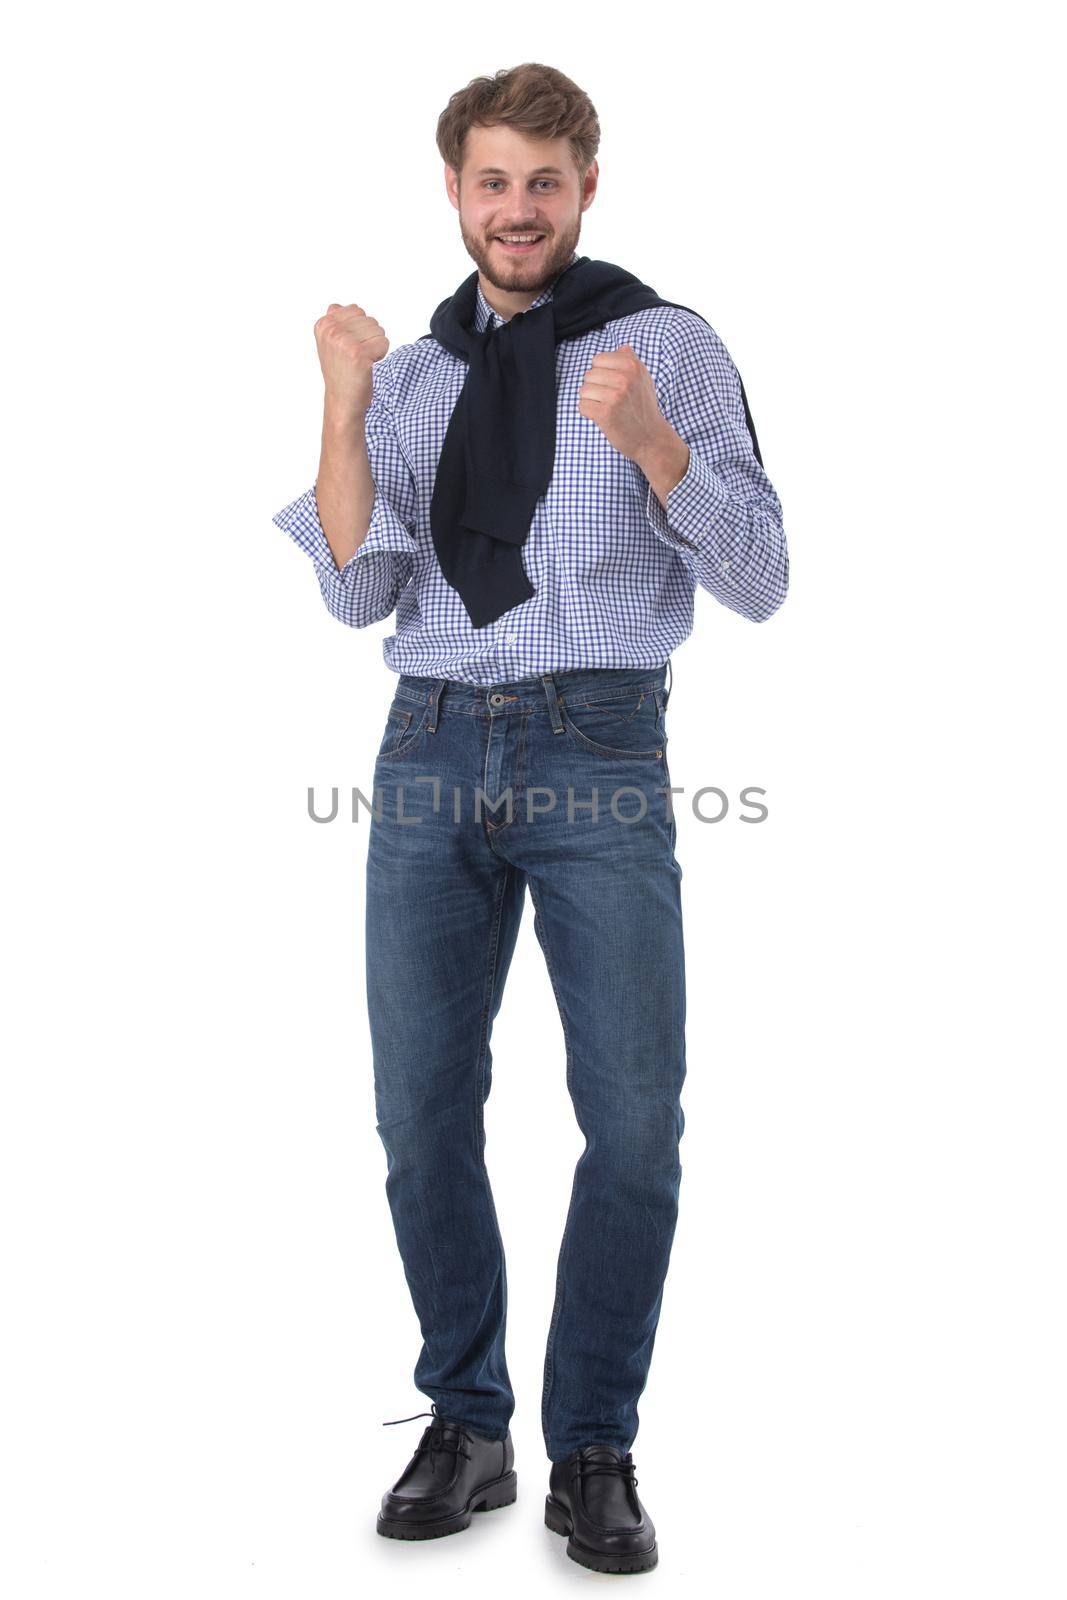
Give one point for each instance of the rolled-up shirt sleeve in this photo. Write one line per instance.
(723, 518)
(367, 587)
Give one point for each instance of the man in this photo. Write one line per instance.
(538, 497)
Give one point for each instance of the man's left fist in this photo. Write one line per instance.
(618, 394)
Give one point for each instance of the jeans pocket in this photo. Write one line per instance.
(403, 725)
(622, 726)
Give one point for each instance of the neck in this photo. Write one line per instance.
(506, 302)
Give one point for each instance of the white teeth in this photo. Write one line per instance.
(518, 238)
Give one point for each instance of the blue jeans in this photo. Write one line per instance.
(446, 883)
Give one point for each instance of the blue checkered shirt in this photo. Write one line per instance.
(615, 571)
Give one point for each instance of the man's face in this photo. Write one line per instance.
(511, 184)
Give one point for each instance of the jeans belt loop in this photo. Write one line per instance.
(553, 702)
(435, 703)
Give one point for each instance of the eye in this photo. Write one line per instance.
(489, 182)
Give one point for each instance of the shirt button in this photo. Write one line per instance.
(510, 638)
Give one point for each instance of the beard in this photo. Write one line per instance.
(526, 274)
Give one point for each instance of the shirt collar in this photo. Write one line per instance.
(485, 316)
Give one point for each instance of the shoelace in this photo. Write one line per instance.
(435, 1437)
(624, 1467)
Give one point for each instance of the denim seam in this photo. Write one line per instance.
(479, 1076)
(520, 763)
(550, 1362)
(661, 706)
(515, 787)
(609, 706)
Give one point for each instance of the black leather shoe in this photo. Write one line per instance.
(593, 1499)
(453, 1473)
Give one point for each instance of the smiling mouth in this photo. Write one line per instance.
(521, 245)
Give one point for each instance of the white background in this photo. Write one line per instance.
(858, 1385)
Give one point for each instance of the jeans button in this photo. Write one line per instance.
(496, 699)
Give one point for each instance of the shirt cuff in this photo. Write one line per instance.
(300, 520)
(693, 508)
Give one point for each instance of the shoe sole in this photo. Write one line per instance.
(487, 1497)
(557, 1519)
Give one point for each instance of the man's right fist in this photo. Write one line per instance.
(349, 342)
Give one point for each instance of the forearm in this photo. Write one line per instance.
(344, 488)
